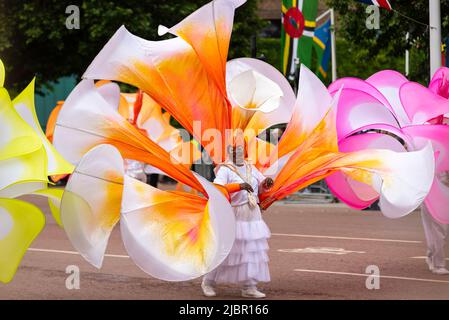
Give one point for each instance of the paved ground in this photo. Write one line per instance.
(317, 252)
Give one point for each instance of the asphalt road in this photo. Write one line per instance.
(317, 252)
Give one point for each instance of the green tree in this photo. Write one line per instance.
(34, 39)
(362, 51)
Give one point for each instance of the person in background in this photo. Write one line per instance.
(134, 168)
(152, 177)
(437, 235)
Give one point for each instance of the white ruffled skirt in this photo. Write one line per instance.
(247, 262)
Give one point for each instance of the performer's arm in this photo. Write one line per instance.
(223, 190)
(231, 188)
(264, 183)
(221, 179)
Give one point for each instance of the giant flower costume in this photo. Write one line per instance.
(175, 235)
(145, 114)
(26, 160)
(388, 111)
(440, 82)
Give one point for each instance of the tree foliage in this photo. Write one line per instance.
(384, 48)
(34, 39)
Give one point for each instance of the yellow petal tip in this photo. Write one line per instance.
(2, 74)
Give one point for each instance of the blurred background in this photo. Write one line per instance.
(34, 40)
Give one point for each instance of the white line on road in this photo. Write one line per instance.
(273, 234)
(370, 275)
(337, 251)
(342, 238)
(74, 252)
(422, 257)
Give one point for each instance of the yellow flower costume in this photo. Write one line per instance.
(26, 160)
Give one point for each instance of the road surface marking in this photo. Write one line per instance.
(342, 238)
(422, 257)
(337, 251)
(370, 275)
(74, 252)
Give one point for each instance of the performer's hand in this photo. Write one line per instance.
(246, 186)
(268, 183)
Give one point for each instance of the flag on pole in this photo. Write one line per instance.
(322, 46)
(380, 3)
(298, 26)
(445, 53)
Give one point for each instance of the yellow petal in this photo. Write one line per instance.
(20, 223)
(22, 156)
(24, 105)
(2, 74)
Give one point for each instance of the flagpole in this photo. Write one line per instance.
(435, 35)
(325, 13)
(333, 46)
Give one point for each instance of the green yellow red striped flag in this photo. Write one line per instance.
(322, 46)
(298, 27)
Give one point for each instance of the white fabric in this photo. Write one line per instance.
(225, 175)
(253, 91)
(247, 263)
(145, 236)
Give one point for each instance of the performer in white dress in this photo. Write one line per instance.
(247, 263)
